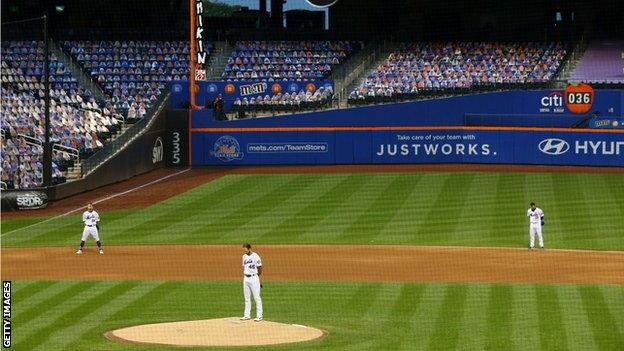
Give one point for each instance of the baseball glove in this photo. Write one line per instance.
(543, 222)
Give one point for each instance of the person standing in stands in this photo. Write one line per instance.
(219, 113)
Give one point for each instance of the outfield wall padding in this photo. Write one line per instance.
(408, 145)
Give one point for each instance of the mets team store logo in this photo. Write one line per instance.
(226, 149)
(554, 146)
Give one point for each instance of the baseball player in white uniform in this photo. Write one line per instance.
(91, 220)
(536, 219)
(252, 268)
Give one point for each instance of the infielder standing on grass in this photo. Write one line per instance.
(536, 218)
(252, 268)
(91, 220)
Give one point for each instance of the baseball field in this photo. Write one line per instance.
(399, 259)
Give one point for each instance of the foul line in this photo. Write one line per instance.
(99, 201)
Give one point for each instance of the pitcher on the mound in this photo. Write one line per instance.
(252, 268)
(91, 221)
(536, 218)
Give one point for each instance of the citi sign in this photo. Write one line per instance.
(554, 146)
(553, 101)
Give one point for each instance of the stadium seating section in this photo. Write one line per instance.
(285, 60)
(133, 74)
(284, 103)
(419, 67)
(603, 62)
(78, 125)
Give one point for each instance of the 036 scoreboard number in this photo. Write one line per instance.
(579, 98)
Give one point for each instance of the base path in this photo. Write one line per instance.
(319, 263)
(215, 332)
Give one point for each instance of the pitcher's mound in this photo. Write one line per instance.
(215, 332)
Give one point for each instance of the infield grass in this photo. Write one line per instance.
(358, 316)
(583, 211)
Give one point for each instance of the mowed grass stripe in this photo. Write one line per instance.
(136, 312)
(426, 322)
(28, 294)
(114, 312)
(17, 286)
(444, 216)
(448, 325)
(68, 327)
(311, 189)
(603, 324)
(614, 295)
(404, 227)
(551, 328)
(475, 318)
(202, 224)
(384, 208)
(575, 221)
(379, 314)
(507, 211)
(476, 210)
(526, 331)
(331, 195)
(23, 301)
(397, 329)
(611, 184)
(345, 205)
(500, 314)
(193, 197)
(600, 219)
(574, 318)
(26, 331)
(168, 217)
(66, 292)
(257, 208)
(361, 301)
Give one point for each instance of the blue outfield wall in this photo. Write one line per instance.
(434, 145)
(443, 111)
(429, 131)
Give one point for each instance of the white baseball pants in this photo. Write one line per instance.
(533, 230)
(90, 231)
(251, 285)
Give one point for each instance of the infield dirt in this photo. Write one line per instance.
(322, 263)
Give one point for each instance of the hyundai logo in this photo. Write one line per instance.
(554, 146)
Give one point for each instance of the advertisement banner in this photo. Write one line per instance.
(13, 200)
(421, 145)
(607, 123)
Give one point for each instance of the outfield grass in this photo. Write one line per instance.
(583, 211)
(358, 316)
